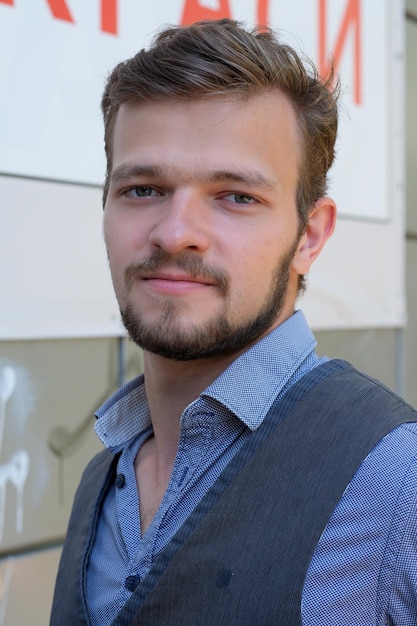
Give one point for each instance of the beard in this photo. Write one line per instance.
(218, 336)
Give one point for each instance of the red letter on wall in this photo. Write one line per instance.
(109, 16)
(351, 20)
(60, 10)
(7, 2)
(194, 11)
(262, 16)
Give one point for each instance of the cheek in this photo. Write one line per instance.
(258, 264)
(118, 254)
(252, 277)
(119, 238)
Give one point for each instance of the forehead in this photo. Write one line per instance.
(259, 131)
(271, 105)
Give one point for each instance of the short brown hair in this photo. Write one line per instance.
(220, 57)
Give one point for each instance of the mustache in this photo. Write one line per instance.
(189, 262)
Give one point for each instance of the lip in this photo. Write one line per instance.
(176, 276)
(175, 283)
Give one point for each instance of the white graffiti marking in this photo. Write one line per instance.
(7, 387)
(16, 470)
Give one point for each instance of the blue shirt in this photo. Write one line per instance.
(366, 558)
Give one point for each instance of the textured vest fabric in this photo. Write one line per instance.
(242, 555)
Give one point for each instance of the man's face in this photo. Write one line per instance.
(200, 222)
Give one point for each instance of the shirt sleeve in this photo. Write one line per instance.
(364, 569)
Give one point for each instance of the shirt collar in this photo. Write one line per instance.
(248, 387)
(124, 415)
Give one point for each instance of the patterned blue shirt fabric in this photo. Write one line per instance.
(364, 569)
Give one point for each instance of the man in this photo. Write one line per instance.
(233, 488)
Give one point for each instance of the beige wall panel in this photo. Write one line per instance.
(26, 588)
(49, 391)
(372, 351)
(54, 278)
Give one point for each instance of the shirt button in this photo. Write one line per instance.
(132, 582)
(120, 481)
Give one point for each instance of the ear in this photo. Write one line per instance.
(320, 226)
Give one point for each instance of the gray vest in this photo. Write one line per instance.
(242, 555)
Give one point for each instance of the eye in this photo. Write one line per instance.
(142, 191)
(240, 198)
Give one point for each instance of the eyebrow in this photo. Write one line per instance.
(250, 178)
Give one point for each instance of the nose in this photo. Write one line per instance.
(181, 224)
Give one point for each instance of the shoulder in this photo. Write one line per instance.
(366, 408)
(364, 562)
(360, 387)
